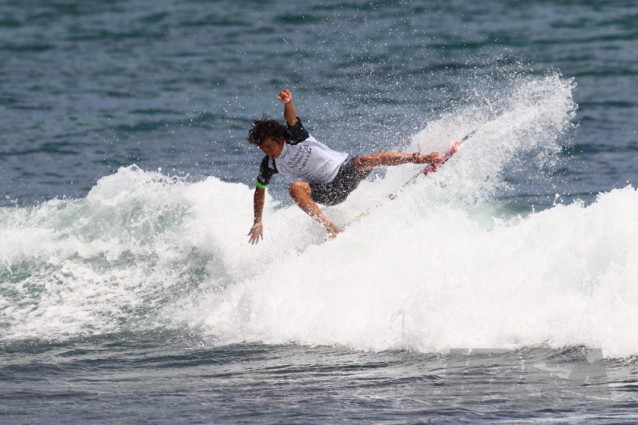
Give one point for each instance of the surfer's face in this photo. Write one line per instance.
(272, 147)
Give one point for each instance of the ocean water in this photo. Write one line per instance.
(501, 289)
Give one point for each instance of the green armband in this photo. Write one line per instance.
(261, 186)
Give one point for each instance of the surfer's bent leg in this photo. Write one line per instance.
(301, 193)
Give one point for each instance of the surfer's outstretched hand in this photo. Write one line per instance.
(256, 233)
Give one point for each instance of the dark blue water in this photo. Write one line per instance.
(88, 88)
(128, 293)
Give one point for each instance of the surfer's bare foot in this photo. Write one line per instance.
(333, 231)
(425, 158)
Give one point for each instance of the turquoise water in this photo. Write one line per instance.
(500, 289)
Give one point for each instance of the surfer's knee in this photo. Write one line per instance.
(364, 162)
(380, 159)
(299, 189)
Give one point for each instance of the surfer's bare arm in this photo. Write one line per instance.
(290, 113)
(257, 231)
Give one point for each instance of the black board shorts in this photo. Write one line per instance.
(346, 180)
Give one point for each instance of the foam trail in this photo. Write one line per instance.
(109, 262)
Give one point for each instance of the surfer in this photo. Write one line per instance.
(323, 175)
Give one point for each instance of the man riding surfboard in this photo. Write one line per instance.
(322, 175)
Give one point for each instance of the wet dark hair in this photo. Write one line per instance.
(263, 129)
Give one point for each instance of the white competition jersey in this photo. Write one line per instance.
(302, 157)
(310, 160)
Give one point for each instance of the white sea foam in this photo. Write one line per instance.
(443, 280)
(440, 267)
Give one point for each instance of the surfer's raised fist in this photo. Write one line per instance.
(285, 96)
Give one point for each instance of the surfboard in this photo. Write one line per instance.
(434, 166)
(429, 169)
